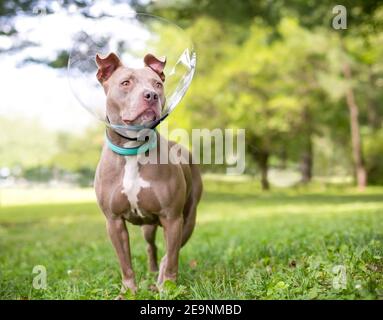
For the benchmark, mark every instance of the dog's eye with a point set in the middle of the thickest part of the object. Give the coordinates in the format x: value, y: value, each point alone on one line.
x: 126, y: 83
x: 158, y: 85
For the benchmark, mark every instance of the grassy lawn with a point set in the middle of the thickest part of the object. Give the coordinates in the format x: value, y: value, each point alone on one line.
x: 286, y: 244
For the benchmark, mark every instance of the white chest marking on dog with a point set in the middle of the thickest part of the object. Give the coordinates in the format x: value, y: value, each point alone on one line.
x: 133, y: 182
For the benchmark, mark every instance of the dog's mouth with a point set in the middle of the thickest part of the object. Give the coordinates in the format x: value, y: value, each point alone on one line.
x: 147, y: 116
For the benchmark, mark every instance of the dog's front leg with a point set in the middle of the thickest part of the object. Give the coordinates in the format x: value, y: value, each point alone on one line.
x: 119, y: 236
x: 173, y: 238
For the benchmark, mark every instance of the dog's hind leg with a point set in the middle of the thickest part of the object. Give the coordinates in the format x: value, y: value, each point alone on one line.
x: 190, y: 214
x: 190, y: 209
x: 149, y: 232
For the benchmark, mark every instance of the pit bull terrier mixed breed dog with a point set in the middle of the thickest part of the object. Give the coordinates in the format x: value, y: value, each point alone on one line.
x: 149, y: 195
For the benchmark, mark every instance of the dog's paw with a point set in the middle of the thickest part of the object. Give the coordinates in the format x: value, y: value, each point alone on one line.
x: 128, y: 286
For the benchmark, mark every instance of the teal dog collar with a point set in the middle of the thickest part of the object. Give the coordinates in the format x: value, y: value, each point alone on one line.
x: 122, y: 151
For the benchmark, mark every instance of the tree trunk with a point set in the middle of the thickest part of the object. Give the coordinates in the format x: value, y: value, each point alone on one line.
x: 307, y: 154
x: 263, y: 160
x: 360, y: 170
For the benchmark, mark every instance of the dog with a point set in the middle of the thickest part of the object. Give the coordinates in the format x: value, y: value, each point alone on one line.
x: 151, y: 194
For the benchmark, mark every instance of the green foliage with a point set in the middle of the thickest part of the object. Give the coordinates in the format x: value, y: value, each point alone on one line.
x: 61, y: 60
x: 311, y: 13
x: 284, y: 82
x: 247, y: 245
x: 263, y: 81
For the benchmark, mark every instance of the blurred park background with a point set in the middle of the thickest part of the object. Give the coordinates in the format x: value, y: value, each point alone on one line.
x: 310, y: 97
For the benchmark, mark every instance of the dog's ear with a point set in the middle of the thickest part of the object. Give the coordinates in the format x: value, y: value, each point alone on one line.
x: 106, y: 66
x: 156, y: 64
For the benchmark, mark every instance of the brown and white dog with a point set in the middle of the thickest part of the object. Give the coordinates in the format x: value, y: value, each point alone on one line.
x: 149, y: 195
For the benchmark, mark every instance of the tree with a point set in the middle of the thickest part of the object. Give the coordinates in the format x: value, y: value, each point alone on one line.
x: 362, y: 15
x: 247, y: 90
x: 357, y: 151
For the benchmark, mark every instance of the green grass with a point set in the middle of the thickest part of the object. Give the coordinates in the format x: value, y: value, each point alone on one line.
x: 247, y: 245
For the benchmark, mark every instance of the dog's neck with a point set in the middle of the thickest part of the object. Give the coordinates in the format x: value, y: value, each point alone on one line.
x: 119, y: 140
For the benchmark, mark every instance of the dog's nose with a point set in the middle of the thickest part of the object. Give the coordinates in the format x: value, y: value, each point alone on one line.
x: 150, y: 96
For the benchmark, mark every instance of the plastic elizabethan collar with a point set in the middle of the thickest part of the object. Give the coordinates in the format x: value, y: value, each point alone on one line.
x: 131, y: 38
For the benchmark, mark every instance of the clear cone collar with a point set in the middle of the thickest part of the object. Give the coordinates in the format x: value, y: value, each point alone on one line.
x: 131, y: 38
